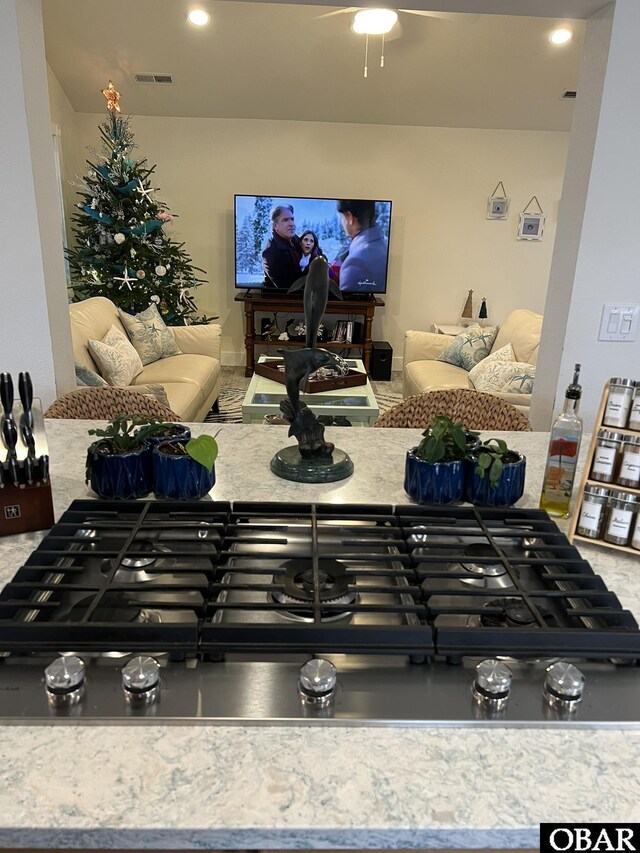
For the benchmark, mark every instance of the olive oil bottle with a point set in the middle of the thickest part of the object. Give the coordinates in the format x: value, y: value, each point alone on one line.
x: 562, y: 457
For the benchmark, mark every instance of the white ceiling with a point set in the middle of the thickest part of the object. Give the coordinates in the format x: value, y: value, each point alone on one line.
x: 259, y: 60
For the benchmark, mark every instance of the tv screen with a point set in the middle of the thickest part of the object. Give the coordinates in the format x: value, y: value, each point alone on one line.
x: 276, y: 238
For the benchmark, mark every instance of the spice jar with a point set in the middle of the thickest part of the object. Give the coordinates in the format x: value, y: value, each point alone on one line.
x: 629, y: 472
x: 592, y: 511
x: 622, y: 508
x: 619, y: 402
x: 634, y: 414
x: 635, y: 539
x: 605, y: 458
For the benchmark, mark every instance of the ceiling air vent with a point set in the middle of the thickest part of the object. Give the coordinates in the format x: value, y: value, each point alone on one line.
x: 570, y: 95
x: 153, y: 78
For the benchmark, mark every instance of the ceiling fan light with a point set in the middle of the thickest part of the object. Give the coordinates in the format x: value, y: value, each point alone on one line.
x: 561, y: 36
x: 374, y: 22
x: 198, y: 17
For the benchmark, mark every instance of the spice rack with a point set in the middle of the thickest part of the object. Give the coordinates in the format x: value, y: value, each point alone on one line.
x: 585, y: 481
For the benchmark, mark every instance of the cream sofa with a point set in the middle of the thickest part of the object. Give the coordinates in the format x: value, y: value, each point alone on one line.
x: 423, y: 373
x: 191, y: 380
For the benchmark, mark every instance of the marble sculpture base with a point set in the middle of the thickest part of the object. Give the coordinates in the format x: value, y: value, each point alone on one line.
x: 290, y: 465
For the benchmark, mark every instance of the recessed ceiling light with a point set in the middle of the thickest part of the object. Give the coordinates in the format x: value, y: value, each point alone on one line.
x: 198, y: 17
x: 374, y: 22
x: 561, y: 36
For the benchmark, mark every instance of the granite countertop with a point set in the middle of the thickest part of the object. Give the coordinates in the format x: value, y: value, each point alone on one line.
x: 197, y: 787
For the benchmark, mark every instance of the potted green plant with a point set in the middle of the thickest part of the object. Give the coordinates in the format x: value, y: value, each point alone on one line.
x: 184, y: 470
x: 435, y: 469
x: 496, y: 474
x: 117, y: 463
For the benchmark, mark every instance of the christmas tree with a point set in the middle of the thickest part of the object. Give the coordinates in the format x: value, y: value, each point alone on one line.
x: 121, y: 249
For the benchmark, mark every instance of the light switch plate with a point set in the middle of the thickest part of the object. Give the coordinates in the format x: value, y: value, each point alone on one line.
x: 619, y: 323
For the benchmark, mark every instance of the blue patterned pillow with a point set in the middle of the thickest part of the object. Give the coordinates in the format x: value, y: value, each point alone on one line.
x: 470, y: 346
x: 85, y: 376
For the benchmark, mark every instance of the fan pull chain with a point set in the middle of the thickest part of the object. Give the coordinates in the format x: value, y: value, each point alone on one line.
x: 366, y: 54
x: 382, y: 53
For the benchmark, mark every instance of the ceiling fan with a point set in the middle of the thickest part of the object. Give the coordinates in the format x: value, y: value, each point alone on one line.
x: 378, y: 21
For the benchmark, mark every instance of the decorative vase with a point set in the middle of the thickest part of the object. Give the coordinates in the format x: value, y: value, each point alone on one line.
x: 180, y: 477
x: 122, y: 476
x: 433, y: 482
x: 510, y: 486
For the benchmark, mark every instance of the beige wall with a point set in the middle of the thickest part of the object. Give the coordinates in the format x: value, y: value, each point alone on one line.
x: 73, y: 157
x: 438, y: 178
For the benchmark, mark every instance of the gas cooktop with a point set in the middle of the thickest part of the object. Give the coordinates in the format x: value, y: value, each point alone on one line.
x: 273, y: 612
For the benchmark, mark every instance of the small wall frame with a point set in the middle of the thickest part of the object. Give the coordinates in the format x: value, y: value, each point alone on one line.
x: 531, y: 226
x: 498, y: 203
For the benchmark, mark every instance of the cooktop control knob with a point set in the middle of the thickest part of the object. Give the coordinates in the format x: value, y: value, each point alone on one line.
x: 317, y: 681
x: 64, y: 679
x: 141, y: 678
x: 564, y: 683
x: 492, y: 682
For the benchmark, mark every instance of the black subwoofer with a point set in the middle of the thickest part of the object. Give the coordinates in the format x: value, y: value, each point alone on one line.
x: 380, y: 363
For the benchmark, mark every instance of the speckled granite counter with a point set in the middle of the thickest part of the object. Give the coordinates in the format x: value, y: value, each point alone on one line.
x: 197, y: 787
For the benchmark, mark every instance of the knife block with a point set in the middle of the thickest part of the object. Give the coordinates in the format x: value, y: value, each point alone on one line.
x: 25, y: 507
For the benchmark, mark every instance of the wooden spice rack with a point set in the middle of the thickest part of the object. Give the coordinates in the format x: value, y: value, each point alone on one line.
x: 585, y: 481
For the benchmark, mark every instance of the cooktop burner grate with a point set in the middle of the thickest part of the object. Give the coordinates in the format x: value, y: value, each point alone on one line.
x: 547, y: 599
x: 116, y: 576
x: 208, y: 578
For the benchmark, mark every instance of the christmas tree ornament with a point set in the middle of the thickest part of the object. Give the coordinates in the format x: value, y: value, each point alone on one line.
x: 160, y: 270
x: 133, y: 253
x: 113, y: 98
x: 119, y: 238
x: 155, y: 298
x: 125, y: 279
x: 482, y: 314
x: 140, y: 274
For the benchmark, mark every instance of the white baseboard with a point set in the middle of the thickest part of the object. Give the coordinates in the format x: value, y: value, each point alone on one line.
x: 233, y: 359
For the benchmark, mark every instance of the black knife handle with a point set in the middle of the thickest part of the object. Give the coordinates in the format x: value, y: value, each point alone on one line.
x: 25, y: 389
x: 43, y: 468
x: 6, y: 394
x: 14, y: 473
x: 27, y: 438
x: 10, y: 435
x: 28, y: 466
x: 1, y: 476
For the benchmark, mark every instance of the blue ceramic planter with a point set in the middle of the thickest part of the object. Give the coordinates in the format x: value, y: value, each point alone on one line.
x: 509, y: 489
x: 180, y: 477
x: 122, y: 476
x: 183, y: 435
x: 433, y: 482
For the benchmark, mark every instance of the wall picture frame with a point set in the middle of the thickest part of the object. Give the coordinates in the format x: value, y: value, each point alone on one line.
x: 531, y: 226
x: 497, y: 207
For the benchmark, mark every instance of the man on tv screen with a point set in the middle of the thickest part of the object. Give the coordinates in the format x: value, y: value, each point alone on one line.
x: 281, y: 257
x: 363, y: 266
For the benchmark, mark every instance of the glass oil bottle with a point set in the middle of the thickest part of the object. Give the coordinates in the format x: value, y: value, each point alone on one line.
x: 562, y: 457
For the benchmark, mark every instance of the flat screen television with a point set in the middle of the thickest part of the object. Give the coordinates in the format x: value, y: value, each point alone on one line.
x: 276, y: 237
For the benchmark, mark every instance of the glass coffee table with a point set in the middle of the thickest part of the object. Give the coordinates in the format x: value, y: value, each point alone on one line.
x: 357, y: 404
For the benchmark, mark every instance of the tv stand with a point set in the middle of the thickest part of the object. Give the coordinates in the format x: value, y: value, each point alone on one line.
x: 270, y: 303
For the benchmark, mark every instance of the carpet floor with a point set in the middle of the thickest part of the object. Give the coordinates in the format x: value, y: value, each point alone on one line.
x: 234, y: 386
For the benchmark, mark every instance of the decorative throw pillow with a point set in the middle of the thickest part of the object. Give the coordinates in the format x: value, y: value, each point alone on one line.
x: 522, y: 381
x: 515, y: 377
x: 152, y: 390
x: 85, y: 376
x: 482, y: 375
x: 117, y: 360
x: 470, y: 346
x: 149, y: 334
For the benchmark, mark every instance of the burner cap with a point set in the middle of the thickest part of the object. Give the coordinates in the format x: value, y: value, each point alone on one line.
x: 140, y: 561
x: 298, y: 587
x: 514, y: 613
